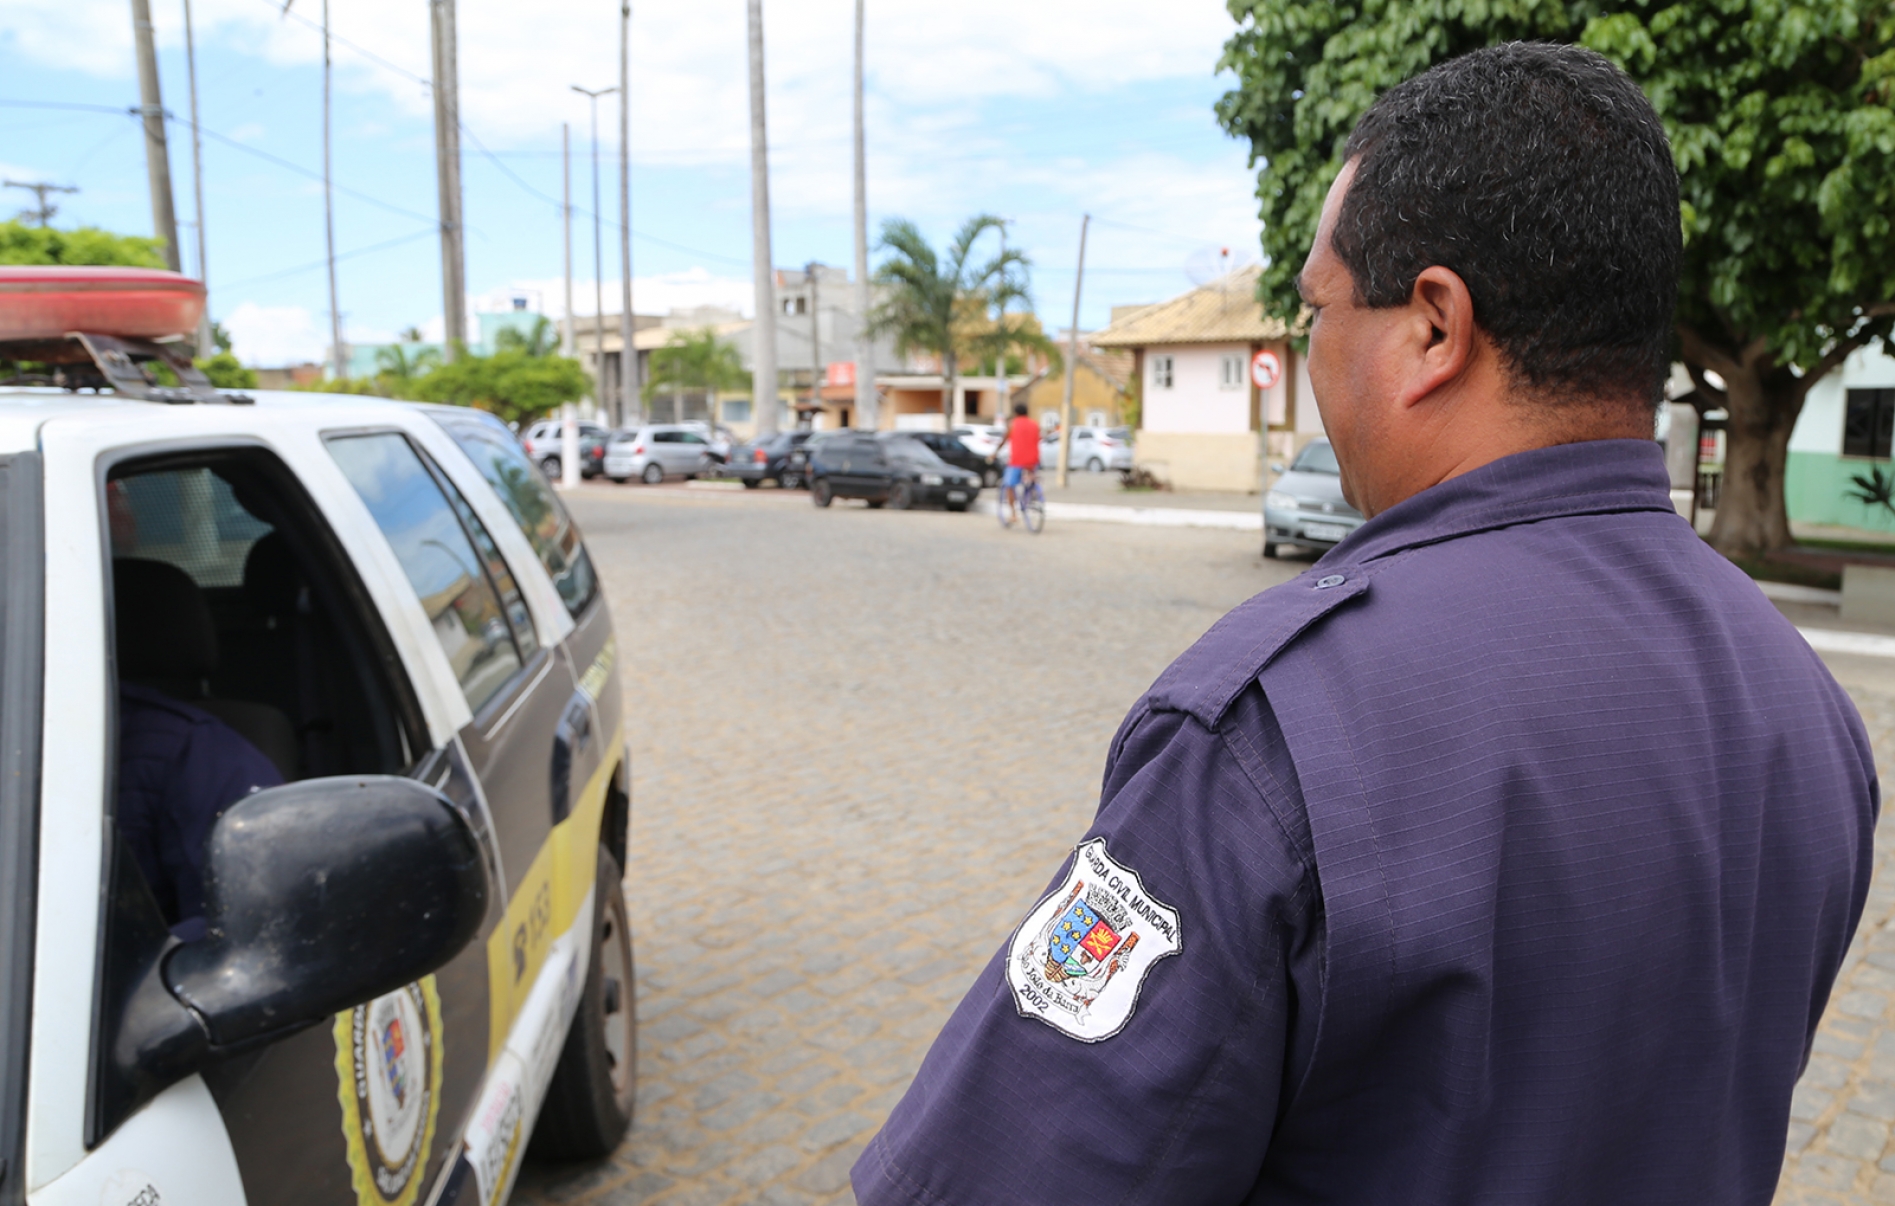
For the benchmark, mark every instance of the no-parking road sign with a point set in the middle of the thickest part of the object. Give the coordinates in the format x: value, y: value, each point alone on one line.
x: 1266, y: 367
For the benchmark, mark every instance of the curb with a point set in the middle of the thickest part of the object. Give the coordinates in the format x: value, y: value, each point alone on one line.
x: 1157, y: 517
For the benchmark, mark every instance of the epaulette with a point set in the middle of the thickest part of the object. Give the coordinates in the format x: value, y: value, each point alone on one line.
x: 1210, y: 675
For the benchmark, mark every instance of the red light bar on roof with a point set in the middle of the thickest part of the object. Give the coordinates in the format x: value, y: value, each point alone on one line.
x: 47, y: 302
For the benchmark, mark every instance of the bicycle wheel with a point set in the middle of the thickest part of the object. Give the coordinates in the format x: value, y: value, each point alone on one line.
x: 1001, y: 511
x: 1033, y: 508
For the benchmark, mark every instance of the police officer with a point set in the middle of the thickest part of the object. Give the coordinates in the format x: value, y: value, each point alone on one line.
x: 1507, y: 855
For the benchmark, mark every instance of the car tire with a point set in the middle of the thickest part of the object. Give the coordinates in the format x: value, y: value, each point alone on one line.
x: 876, y: 504
x: 821, y: 494
x: 957, y: 506
x: 618, y: 481
x: 751, y: 483
x: 550, y: 467
x: 594, y: 1088
x: 1095, y: 465
x: 1272, y: 550
x: 901, y: 498
x: 989, y: 478
x: 654, y: 473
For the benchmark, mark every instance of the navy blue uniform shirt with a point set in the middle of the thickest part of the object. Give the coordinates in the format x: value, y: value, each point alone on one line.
x: 1507, y: 855
x: 178, y: 769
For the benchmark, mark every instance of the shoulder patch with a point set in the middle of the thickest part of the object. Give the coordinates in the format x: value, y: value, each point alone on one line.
x: 1080, y: 957
x: 1209, y: 675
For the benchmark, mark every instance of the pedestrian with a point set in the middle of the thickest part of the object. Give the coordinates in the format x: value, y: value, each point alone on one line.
x: 1508, y: 854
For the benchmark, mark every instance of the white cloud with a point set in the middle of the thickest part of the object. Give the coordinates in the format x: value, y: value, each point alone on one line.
x: 275, y: 335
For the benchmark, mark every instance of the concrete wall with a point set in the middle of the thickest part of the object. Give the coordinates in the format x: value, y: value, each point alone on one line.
x: 1817, y: 478
x: 1203, y: 460
x: 1195, y: 402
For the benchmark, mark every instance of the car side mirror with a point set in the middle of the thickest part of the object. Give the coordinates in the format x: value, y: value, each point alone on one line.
x: 1276, y: 466
x: 318, y: 896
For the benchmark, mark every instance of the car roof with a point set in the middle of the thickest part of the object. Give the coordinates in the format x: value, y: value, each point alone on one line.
x: 23, y: 409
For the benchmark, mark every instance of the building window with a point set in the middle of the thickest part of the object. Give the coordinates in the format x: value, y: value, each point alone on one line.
x: 1230, y: 371
x: 1161, y: 372
x: 736, y: 411
x: 1868, y: 422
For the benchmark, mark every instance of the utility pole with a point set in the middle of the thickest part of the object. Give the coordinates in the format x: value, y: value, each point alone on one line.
x: 1000, y: 369
x: 164, y: 219
x: 815, y: 341
x: 568, y: 338
x: 44, y: 211
x: 628, y: 355
x: 763, y: 331
x: 1072, y: 361
x: 206, y: 345
x: 866, y: 400
x: 598, y: 255
x: 447, y: 170
x: 337, y: 355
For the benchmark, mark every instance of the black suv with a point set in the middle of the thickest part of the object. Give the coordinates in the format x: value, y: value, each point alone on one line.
x: 892, y: 470
x: 769, y: 460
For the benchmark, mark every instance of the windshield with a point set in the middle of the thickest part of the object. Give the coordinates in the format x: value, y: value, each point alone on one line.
x: 913, y: 451
x: 1319, y: 457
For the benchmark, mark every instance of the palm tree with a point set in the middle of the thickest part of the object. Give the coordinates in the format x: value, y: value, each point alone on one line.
x: 397, y: 368
x: 939, y: 304
x: 696, y: 360
x: 541, y: 340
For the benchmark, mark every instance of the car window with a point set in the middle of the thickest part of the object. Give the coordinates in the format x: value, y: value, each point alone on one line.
x: 532, y: 503
x: 437, y: 555
x: 187, y: 517
x: 691, y: 437
x: 1319, y: 457
x: 913, y: 451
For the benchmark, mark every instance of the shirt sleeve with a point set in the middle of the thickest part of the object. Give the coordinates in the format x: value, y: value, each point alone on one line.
x: 1177, y: 1104
x: 215, y: 769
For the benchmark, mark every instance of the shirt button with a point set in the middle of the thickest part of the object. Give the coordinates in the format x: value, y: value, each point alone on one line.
x: 1331, y: 580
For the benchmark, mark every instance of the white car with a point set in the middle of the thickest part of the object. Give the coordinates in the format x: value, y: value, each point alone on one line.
x: 544, y: 442
x: 660, y: 450
x: 1094, y: 449
x: 982, y: 439
x: 313, y: 794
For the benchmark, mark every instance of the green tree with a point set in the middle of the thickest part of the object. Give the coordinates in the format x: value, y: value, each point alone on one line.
x: 695, y: 360
x: 23, y: 244
x: 511, y: 384
x: 1782, y: 122
x: 227, y: 372
x: 948, y: 306
x: 399, y: 366
x: 541, y: 340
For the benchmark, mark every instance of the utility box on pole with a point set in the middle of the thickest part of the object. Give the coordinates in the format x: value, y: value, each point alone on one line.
x: 447, y: 163
x: 164, y: 218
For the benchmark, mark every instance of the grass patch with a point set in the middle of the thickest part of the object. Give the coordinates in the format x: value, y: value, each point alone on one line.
x: 1783, y: 571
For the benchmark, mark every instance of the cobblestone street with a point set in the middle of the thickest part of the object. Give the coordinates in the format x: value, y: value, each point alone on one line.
x: 821, y: 761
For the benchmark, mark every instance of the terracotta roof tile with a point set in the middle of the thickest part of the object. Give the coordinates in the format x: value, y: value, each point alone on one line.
x: 1224, y: 311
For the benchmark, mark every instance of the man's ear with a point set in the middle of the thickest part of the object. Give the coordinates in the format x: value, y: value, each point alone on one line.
x: 1441, y: 300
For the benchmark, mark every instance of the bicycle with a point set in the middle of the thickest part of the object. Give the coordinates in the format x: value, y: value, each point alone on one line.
x: 1028, y: 499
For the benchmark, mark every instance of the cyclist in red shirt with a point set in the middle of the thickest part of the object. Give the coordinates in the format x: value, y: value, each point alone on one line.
x: 1023, y: 455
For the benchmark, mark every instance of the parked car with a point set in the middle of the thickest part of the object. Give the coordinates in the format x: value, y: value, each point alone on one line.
x: 984, y: 439
x: 405, y: 950
x: 660, y: 450
x: 1306, y: 507
x: 544, y: 442
x: 767, y: 460
x: 721, y: 438
x: 955, y: 452
x: 1097, y: 449
x: 796, y: 468
x: 896, y: 471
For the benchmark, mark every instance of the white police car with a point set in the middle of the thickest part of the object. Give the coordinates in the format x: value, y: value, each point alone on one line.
x: 400, y: 953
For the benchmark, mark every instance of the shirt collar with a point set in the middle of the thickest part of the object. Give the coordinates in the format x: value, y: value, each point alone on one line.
x: 1588, y: 478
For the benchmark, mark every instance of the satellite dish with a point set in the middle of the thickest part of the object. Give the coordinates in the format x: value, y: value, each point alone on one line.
x: 1207, y: 265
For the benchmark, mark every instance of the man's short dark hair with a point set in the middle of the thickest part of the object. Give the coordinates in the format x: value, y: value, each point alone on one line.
x: 1541, y: 175
x: 1019, y: 408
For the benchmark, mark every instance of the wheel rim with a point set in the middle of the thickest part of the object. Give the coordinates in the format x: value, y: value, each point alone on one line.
x: 615, y: 982
x: 653, y: 475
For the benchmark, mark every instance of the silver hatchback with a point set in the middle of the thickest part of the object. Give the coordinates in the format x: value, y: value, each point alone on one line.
x: 1306, y: 507
x: 660, y: 450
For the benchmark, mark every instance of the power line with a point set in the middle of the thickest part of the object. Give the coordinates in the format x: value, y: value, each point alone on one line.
x: 311, y: 267
x: 430, y: 219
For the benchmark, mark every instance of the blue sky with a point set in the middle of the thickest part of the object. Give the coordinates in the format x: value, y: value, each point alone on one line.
x: 1037, y: 113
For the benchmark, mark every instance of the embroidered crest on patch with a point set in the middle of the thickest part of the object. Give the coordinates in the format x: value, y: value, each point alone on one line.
x: 1081, y: 956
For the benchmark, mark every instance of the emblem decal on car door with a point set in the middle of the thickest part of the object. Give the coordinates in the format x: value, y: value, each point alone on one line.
x: 388, y: 1068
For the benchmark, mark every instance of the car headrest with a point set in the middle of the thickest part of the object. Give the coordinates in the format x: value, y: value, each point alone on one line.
x: 164, y: 625
x: 270, y: 580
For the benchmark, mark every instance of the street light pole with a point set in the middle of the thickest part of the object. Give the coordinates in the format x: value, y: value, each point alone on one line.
x: 206, y: 346
x: 1072, y: 361
x: 598, y: 254
x: 328, y: 215
x: 628, y: 355
x: 866, y: 400
x: 447, y: 166
x: 568, y: 337
x: 815, y: 343
x: 763, y: 331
